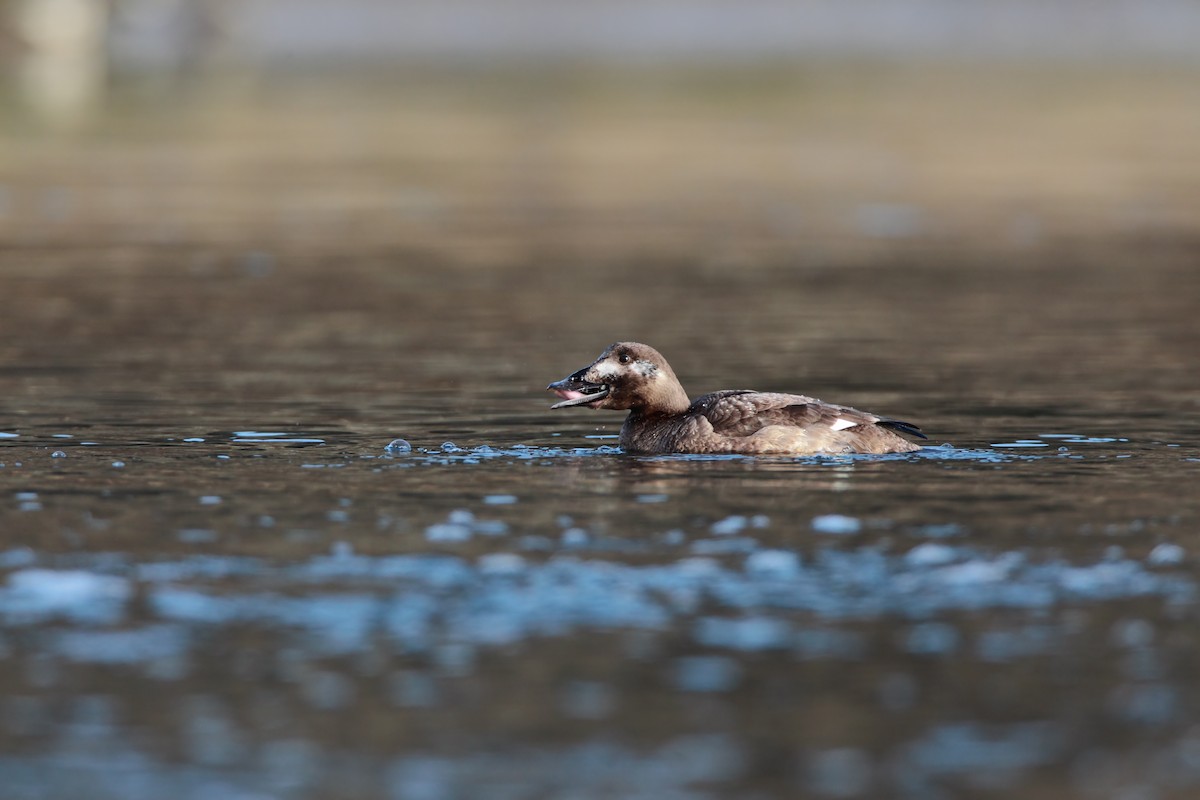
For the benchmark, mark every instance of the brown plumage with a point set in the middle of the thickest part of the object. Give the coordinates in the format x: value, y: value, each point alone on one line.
x: 634, y: 376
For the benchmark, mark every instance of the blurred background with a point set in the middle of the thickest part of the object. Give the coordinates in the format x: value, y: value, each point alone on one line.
x: 496, y: 131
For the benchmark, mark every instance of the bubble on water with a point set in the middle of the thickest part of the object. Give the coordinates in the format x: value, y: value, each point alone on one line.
x: 773, y: 564
x: 118, y: 464
x: 840, y: 772
x: 450, y: 447
x: 499, y: 499
x: 748, y: 633
x: 501, y: 564
x: 84, y: 596
x: 133, y: 646
x: 210, y: 734
x: 826, y: 643
x: 58, y: 454
x: 397, y: 447
x: 939, y: 531
x: 836, y: 524
x: 730, y: 545
x: 1166, y: 554
x: 326, y: 690
x: 1132, y: 633
x: 412, y: 689
x: 931, y: 555
x: 575, y: 537
x: 897, y: 691
x: 995, y: 752
x: 490, y: 527
x: 707, y: 673
x: 424, y: 778
x: 888, y: 220
x: 587, y: 700
x: 1009, y: 645
x: 17, y: 557
x: 448, y: 532
x: 729, y: 525
x: 210, y: 500
x: 673, y: 537
x: 197, y: 535
x: 258, y: 263
x: 932, y: 638
x: 1145, y: 703
x: 455, y: 658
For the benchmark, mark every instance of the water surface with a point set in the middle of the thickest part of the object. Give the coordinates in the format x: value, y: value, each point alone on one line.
x: 218, y: 580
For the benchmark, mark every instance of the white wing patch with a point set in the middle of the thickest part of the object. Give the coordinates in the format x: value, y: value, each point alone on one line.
x: 840, y: 424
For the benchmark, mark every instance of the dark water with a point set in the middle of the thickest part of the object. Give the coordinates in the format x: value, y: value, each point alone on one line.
x: 216, y: 580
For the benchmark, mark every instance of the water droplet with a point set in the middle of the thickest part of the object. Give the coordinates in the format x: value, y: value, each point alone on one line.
x: 58, y: 454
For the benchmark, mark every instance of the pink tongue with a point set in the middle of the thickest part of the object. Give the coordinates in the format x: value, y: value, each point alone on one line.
x: 568, y: 394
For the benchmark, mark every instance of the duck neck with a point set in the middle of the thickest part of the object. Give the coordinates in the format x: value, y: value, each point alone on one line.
x: 670, y: 399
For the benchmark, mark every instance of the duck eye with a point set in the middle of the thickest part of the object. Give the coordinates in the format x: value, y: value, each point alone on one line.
x: 624, y: 358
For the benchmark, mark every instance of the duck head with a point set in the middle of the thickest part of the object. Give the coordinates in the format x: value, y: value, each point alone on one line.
x: 627, y: 375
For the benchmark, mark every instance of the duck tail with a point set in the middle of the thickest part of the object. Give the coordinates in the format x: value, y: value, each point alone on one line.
x: 902, y: 427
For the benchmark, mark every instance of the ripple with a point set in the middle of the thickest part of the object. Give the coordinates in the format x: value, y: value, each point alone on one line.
x: 422, y: 601
x: 272, y: 437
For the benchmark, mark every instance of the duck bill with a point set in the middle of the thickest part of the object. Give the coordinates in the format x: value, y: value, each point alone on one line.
x: 575, y: 390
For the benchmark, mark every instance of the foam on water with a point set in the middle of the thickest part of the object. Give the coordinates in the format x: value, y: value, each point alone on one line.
x: 450, y: 453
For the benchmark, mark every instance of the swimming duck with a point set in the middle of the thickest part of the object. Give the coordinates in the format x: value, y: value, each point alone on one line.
x: 634, y: 376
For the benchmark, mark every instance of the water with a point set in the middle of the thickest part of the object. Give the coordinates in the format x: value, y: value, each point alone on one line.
x: 314, y: 531
x: 511, y: 607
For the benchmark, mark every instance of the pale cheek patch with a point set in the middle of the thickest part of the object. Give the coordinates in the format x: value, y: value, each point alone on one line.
x: 646, y: 368
x: 605, y: 371
x: 840, y: 424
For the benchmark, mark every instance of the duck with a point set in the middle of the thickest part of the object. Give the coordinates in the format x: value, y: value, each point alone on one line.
x: 663, y: 420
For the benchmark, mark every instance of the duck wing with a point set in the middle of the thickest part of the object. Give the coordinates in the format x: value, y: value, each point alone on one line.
x: 744, y: 412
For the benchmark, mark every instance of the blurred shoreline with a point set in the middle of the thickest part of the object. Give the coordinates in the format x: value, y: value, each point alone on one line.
x: 728, y: 165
